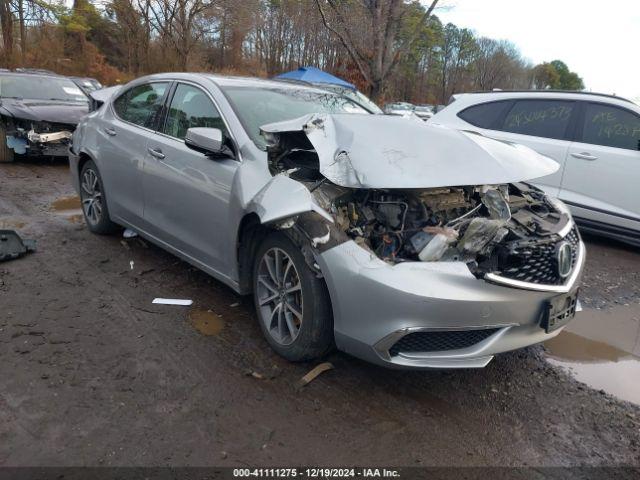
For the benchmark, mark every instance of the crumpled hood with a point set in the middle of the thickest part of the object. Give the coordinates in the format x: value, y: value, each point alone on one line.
x: 44, y: 110
x: 383, y: 151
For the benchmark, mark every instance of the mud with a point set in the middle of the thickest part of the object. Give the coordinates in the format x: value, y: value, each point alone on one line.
x: 92, y: 373
x: 206, y: 322
x: 71, y: 202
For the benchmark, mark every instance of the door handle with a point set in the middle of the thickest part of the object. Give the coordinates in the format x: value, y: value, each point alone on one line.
x: 110, y: 131
x: 155, y: 152
x: 584, y: 156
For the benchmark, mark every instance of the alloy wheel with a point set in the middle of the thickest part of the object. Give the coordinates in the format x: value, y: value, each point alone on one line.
x: 91, y: 196
x: 279, y: 296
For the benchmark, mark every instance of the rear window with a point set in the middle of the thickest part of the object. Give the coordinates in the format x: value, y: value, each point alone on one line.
x: 539, y: 118
x: 485, y: 115
x: 141, y: 104
x: 611, y: 127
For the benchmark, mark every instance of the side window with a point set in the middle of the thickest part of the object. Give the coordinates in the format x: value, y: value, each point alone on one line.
x: 540, y: 118
x: 141, y: 104
x: 485, y: 115
x: 611, y: 126
x: 191, y: 107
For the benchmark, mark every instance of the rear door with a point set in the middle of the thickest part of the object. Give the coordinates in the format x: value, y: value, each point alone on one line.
x: 602, y: 173
x: 543, y: 125
x: 187, y: 193
x: 123, y: 132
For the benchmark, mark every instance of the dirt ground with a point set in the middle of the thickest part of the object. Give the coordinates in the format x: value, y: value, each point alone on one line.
x: 92, y: 373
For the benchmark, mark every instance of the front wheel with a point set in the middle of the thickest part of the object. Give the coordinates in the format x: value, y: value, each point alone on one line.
x: 94, y: 203
x: 292, y: 303
x: 6, y: 153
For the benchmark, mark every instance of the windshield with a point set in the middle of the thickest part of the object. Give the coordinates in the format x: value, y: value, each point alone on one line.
x: 259, y: 106
x: 401, y: 106
x: 35, y: 87
x: 363, y: 100
x: 355, y: 95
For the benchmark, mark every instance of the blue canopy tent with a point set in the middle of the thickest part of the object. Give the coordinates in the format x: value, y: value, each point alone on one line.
x: 315, y: 75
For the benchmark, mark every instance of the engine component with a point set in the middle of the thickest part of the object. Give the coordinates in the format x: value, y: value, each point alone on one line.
x: 497, y: 205
x: 441, y: 224
x: 480, y: 232
x: 439, y: 244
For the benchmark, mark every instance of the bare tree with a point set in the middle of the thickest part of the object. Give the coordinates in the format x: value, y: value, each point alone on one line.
x: 6, y: 24
x: 179, y: 23
x: 369, y: 31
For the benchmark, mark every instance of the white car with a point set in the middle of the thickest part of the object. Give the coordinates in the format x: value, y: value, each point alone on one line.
x: 595, y: 138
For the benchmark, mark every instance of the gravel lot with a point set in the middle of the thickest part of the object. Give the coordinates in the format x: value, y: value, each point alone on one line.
x: 92, y: 373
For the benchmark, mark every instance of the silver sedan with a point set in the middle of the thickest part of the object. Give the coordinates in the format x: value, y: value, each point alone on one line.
x: 402, y: 243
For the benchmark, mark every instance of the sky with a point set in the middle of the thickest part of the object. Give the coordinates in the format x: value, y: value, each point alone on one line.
x: 597, y: 40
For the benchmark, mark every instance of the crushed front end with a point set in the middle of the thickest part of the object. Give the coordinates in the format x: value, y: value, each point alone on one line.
x: 38, y: 138
x: 436, y: 277
x: 448, y: 277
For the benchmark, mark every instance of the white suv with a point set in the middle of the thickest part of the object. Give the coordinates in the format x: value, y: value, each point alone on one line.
x: 595, y: 139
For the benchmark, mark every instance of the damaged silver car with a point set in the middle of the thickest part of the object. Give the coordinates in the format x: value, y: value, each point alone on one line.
x: 38, y: 114
x: 404, y: 244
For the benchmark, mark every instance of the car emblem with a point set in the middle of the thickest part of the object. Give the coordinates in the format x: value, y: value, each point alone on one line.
x: 564, y: 259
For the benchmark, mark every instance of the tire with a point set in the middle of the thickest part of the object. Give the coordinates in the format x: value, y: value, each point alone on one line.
x: 301, y: 328
x: 6, y: 153
x: 94, y: 204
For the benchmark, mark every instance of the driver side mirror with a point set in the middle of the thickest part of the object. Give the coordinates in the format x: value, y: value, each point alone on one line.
x: 205, y: 140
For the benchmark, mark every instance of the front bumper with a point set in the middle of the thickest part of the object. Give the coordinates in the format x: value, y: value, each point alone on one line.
x: 53, y: 144
x: 376, y: 304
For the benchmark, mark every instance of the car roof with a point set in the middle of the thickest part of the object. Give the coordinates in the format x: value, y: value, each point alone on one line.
x: 30, y: 74
x: 477, y: 97
x: 227, y: 81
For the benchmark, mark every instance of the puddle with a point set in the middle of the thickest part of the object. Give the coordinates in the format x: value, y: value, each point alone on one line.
x: 69, y: 208
x: 75, y: 218
x: 206, y: 322
x: 602, y: 349
x: 8, y: 224
x: 66, y: 203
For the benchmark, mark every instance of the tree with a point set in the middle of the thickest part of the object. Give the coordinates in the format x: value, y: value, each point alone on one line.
x: 369, y: 31
x: 556, y: 75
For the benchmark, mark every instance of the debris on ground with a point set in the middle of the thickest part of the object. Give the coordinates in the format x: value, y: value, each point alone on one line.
x: 233, y: 305
x: 13, y: 246
x: 172, y: 301
x: 309, y: 377
x: 254, y: 374
x: 128, y: 233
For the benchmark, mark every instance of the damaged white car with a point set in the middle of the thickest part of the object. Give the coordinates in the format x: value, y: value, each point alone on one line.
x: 38, y: 114
x: 404, y: 244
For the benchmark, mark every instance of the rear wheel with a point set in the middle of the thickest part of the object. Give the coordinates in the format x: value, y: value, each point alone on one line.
x: 94, y: 204
x: 292, y: 303
x: 6, y: 153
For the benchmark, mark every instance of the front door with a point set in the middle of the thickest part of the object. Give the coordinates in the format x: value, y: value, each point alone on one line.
x: 187, y: 193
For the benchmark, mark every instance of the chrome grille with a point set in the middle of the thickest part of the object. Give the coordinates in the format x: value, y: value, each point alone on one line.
x: 538, y: 263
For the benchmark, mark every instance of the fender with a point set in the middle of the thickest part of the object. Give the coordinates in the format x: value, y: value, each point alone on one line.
x: 283, y: 198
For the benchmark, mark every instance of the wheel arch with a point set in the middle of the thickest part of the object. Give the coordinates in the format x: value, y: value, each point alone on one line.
x: 250, y: 234
x: 310, y: 231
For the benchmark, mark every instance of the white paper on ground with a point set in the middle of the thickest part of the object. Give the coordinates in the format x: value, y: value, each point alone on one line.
x: 172, y: 301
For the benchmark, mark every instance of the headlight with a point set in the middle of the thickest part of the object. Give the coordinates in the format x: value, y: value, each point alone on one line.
x: 559, y: 205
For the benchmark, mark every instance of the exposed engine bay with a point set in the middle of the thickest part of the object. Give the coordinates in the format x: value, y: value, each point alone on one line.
x: 40, y: 138
x: 512, y: 229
